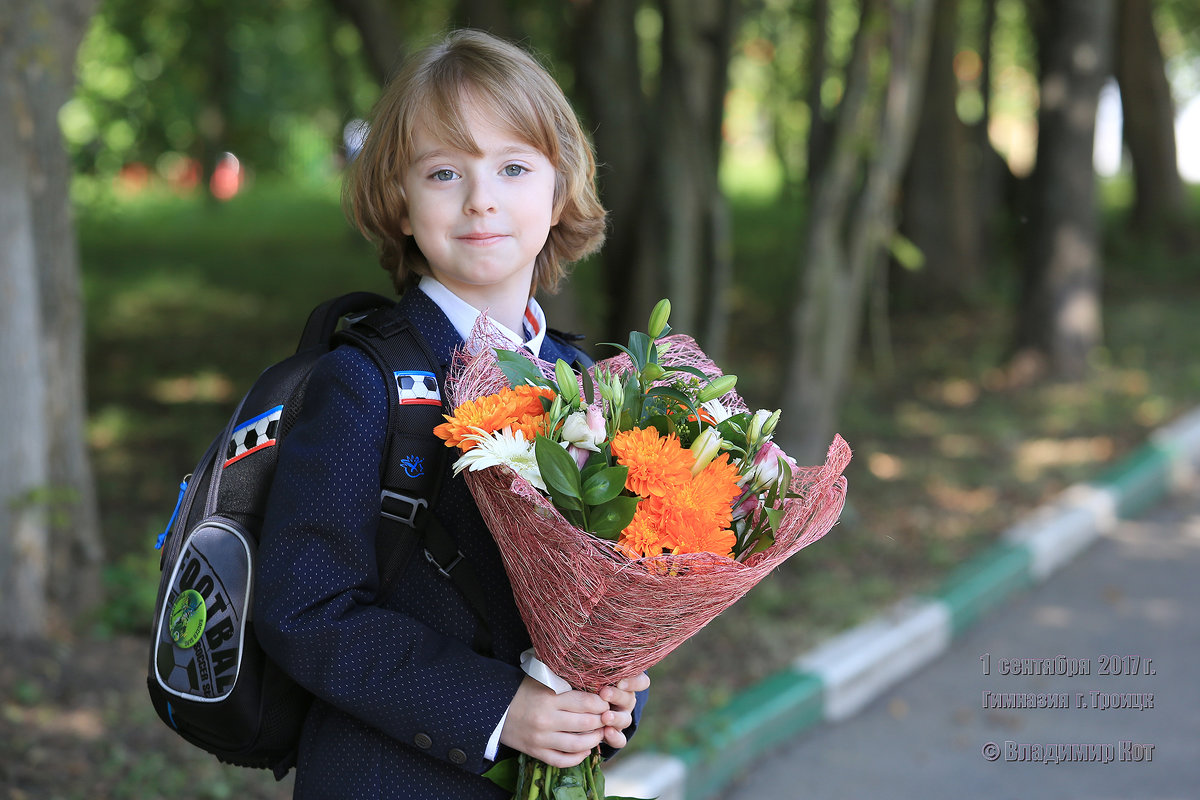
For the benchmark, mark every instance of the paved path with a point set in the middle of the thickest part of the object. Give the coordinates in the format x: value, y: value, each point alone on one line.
x: 1135, y: 592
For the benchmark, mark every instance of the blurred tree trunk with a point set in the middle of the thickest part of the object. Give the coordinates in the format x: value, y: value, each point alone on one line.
x: 209, y: 45
x: 608, y: 83
x: 1059, y: 314
x: 47, y: 497
x: 996, y: 184
x: 852, y: 214
x: 658, y: 141
x: 1149, y: 125
x: 379, y: 25
x: 939, y: 214
x: 816, y: 64
x: 696, y: 237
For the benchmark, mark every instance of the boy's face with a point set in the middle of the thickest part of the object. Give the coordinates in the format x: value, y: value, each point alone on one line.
x: 480, y: 220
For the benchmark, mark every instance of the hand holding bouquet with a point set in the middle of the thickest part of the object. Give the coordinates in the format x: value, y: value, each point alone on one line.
x: 631, y: 503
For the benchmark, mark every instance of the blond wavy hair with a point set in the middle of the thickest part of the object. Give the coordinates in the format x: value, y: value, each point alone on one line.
x: 434, y: 89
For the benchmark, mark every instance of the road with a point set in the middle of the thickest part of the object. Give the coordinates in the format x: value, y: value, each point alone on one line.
x: 1129, y: 604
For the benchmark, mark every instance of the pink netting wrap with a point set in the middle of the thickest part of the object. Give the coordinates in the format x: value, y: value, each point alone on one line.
x: 595, y: 616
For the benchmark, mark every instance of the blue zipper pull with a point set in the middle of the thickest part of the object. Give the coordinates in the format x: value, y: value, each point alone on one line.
x: 162, y: 537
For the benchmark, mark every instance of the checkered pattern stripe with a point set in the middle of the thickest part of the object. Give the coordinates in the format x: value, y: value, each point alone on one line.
x: 418, y: 388
x: 253, y: 435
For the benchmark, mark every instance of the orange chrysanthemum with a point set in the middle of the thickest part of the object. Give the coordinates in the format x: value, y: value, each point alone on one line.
x: 646, y: 535
x: 693, y: 518
x: 519, y: 408
x: 715, y: 488
x: 657, y: 464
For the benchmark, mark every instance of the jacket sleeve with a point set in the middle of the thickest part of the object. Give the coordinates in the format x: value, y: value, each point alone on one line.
x: 315, y: 611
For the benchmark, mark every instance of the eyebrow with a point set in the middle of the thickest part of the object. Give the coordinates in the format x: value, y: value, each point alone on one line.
x: 447, y: 152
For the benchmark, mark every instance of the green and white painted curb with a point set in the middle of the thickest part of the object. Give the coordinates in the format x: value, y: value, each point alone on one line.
x: 840, y: 677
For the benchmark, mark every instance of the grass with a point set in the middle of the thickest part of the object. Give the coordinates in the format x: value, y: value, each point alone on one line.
x: 187, y: 302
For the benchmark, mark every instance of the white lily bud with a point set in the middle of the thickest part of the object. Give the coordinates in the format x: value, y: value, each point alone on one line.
x: 757, y: 424
x: 705, y: 448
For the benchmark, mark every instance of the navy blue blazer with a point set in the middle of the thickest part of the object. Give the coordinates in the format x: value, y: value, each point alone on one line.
x: 404, y: 707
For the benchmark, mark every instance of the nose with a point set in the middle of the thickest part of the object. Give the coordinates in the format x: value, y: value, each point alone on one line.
x: 480, y: 198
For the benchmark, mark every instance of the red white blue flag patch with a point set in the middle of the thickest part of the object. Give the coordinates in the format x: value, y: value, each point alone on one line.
x: 253, y: 435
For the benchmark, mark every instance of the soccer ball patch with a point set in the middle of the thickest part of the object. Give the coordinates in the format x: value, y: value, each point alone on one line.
x: 253, y: 435
x: 418, y: 388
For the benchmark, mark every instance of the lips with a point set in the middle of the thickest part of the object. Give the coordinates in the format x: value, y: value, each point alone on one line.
x: 481, y: 237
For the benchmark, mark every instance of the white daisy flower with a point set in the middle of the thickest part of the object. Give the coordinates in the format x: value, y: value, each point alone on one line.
x: 505, y: 448
x: 718, y: 410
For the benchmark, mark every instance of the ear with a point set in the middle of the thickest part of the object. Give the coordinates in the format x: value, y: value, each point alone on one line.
x: 559, y: 204
x: 405, y: 221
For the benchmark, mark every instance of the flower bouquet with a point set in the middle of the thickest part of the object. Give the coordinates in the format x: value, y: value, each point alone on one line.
x: 631, y: 503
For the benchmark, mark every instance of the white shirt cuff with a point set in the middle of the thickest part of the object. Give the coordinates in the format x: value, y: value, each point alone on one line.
x: 493, y: 745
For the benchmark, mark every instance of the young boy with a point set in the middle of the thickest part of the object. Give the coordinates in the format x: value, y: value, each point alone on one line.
x: 477, y: 184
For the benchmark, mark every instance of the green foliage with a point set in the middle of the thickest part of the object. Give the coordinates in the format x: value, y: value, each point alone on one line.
x: 186, y: 303
x: 130, y: 588
x: 272, y: 82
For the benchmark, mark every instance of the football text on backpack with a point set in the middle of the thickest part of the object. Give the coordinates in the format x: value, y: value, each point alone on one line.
x: 208, y: 677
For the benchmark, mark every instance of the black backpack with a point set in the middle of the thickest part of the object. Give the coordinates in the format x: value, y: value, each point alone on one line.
x: 208, y: 677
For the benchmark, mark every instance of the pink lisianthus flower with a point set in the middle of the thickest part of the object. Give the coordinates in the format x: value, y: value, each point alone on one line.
x: 583, y: 432
x: 766, y: 470
x: 747, y: 506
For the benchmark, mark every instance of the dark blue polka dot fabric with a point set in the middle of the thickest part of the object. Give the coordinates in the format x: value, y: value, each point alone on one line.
x: 404, y: 706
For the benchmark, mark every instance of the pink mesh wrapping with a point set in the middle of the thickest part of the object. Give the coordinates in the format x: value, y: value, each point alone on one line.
x: 595, y: 616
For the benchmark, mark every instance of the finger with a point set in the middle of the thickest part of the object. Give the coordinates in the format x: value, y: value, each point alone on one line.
x: 573, y: 722
x: 618, y: 699
x: 638, y: 683
x: 614, y: 738
x: 624, y: 694
x: 582, y: 702
x: 556, y: 758
x: 569, y: 745
x: 617, y: 720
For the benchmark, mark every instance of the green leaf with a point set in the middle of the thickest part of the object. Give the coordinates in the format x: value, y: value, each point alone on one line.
x: 565, y: 504
x: 559, y: 470
x: 661, y: 423
x: 604, y: 485
x: 504, y: 774
x: 519, y: 369
x: 609, y: 519
x: 766, y: 540
x: 623, y: 349
x: 733, y: 430
x: 639, y: 350
x: 589, y: 388
x: 693, y: 371
x: 595, y: 462
x: 674, y: 394
x: 906, y: 253
x: 775, y: 517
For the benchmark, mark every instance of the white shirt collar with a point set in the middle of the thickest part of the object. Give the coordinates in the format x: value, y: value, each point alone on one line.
x: 463, y: 315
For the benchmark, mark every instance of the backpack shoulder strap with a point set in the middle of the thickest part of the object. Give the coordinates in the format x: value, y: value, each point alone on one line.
x: 582, y: 359
x: 414, y: 460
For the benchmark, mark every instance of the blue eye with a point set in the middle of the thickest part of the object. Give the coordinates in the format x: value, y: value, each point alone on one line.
x: 443, y: 175
x: 514, y: 170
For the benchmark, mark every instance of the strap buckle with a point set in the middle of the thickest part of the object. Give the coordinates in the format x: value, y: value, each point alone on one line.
x: 406, y: 516
x: 445, y: 571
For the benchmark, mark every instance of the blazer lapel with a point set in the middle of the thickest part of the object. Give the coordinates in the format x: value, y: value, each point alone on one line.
x: 433, y: 324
